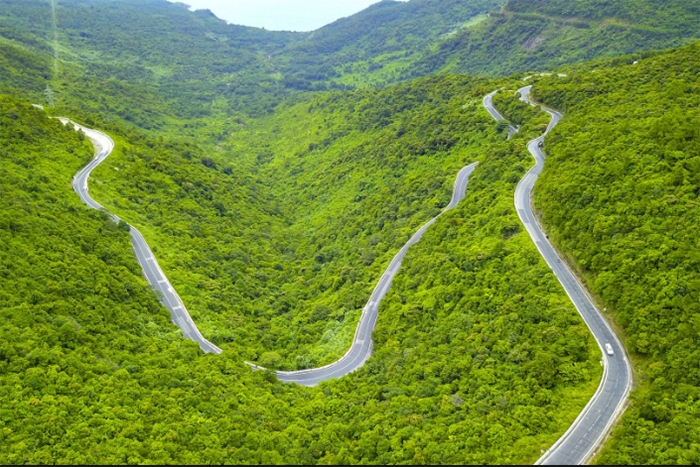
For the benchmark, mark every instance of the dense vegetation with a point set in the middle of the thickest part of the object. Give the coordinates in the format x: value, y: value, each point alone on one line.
x: 274, y: 210
x: 186, y: 58
x: 190, y: 66
x: 195, y: 62
x: 619, y: 195
x: 93, y: 372
x: 340, y: 191
x: 377, y: 44
x: 517, y: 112
x: 537, y: 35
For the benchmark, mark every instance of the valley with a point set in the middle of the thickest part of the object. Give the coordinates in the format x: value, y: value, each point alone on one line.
x: 267, y: 181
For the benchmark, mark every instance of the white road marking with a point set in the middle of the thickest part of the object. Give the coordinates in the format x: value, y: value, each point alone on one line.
x: 598, y: 326
x: 104, y: 147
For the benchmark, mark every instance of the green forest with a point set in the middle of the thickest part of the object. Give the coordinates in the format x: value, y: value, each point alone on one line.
x: 93, y: 371
x: 619, y: 195
x: 276, y: 174
x: 166, y: 62
x: 340, y: 192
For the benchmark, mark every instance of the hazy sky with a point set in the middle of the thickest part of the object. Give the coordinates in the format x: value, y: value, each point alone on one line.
x: 287, y: 15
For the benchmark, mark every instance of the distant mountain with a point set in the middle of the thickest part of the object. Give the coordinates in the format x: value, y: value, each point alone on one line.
x: 139, y: 39
x: 535, y: 35
x: 177, y: 54
x: 393, y: 41
x: 191, y: 60
x: 371, y: 46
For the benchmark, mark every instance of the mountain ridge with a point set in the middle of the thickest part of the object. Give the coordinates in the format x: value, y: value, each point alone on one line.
x: 274, y: 195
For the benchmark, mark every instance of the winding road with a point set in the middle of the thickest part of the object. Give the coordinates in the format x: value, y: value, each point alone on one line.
x: 584, y: 437
x: 362, y: 344
x: 151, y: 269
x: 488, y: 103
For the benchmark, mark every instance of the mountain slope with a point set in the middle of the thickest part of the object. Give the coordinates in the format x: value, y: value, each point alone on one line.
x: 336, y: 193
x: 274, y: 210
x: 93, y: 371
x: 541, y: 35
x: 198, y: 67
x: 620, y: 195
x: 373, y: 46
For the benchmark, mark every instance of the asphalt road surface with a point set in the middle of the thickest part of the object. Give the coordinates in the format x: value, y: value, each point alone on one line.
x: 488, y: 103
x: 585, y: 435
x: 576, y: 446
x: 362, y: 344
x: 151, y: 270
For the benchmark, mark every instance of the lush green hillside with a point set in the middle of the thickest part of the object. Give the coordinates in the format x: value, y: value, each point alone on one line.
x: 164, y: 69
x: 377, y: 44
x: 24, y: 72
x: 619, y: 195
x: 196, y: 63
x: 311, y: 212
x: 537, y: 35
x: 274, y: 210
x: 190, y: 65
x: 92, y: 371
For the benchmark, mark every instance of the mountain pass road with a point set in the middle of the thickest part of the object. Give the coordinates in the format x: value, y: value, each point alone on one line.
x: 362, y: 344
x: 152, y: 271
x: 488, y: 103
x: 361, y: 348
x: 576, y: 446
x: 584, y: 437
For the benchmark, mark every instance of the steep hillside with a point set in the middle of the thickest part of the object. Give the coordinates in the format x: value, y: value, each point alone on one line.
x: 186, y: 58
x: 275, y: 195
x: 195, y: 62
x: 346, y: 179
x: 198, y: 67
x: 375, y: 45
x: 529, y: 35
x: 620, y: 196
x: 92, y: 371
x: 24, y: 72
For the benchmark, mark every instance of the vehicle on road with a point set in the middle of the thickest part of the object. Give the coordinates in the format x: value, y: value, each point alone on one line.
x: 609, y: 349
x: 583, y: 438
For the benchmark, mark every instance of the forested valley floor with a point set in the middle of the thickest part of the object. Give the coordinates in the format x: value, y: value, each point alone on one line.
x: 482, y: 357
x: 275, y: 190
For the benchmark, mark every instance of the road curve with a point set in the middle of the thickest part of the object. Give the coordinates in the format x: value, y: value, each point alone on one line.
x: 488, y: 103
x: 586, y: 434
x: 361, y: 348
x: 576, y: 446
x: 151, y: 270
x: 362, y: 344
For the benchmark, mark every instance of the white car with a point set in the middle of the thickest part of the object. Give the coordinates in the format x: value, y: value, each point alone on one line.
x: 609, y: 349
